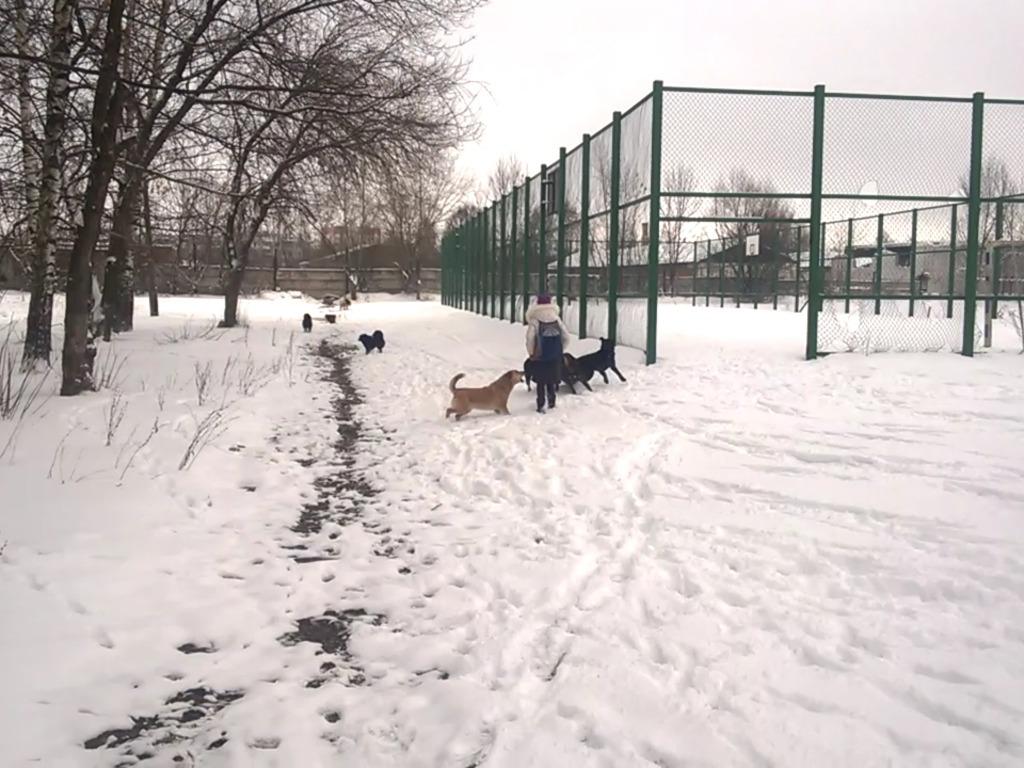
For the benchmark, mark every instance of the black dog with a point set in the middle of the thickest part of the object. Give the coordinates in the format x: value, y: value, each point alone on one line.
x: 371, y: 343
x: 598, y: 362
x: 307, y: 323
x: 569, y: 372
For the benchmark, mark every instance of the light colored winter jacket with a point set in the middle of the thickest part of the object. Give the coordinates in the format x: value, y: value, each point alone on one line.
x: 543, y: 313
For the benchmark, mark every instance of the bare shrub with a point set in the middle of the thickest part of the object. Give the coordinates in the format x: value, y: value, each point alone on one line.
x: 202, y: 377
x: 19, y: 389
x: 208, y: 429
x: 229, y: 366
x: 115, y: 414
x: 109, y: 368
x: 58, y: 455
x: 206, y: 330
x: 252, y: 377
x: 131, y: 459
x: 1016, y: 317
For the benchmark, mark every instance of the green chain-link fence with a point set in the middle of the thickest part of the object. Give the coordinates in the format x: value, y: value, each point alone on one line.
x: 892, y: 222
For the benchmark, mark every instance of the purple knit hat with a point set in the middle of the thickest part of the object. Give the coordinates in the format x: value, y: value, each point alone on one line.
x: 543, y: 298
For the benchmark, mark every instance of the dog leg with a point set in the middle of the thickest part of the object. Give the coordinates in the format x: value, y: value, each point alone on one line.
x: 604, y: 376
x: 587, y: 385
x: 621, y: 377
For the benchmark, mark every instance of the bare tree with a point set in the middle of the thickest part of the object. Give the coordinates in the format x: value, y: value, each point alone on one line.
x: 997, y: 181
x: 755, y: 215
x: 342, y: 206
x: 679, y: 180
x: 417, y: 202
x: 206, y: 38
x: 47, y: 175
x: 108, y: 100
x: 322, y: 110
x: 508, y: 172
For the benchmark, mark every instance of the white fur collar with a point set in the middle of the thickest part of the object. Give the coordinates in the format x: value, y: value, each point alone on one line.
x: 542, y: 313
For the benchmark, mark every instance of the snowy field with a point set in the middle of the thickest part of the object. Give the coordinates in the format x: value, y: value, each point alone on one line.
x: 735, y: 558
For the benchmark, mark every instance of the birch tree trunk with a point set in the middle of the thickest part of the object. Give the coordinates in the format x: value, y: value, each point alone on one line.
x: 38, y: 343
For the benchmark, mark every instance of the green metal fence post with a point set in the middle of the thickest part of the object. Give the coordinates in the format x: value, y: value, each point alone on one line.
x: 879, y: 246
x: 613, y: 231
x: 654, y: 224
x: 997, y: 257
x: 738, y: 282
x: 707, y: 273
x: 464, y: 265
x: 814, y: 287
x: 526, y: 248
x: 456, y: 272
x: 821, y: 262
x: 913, y: 259
x: 503, y: 244
x: 485, y: 254
x: 799, y: 258
x: 470, y: 247
x: 973, y: 225
x: 513, y: 253
x: 542, y: 234
x: 481, y: 253
x: 721, y: 277
x: 494, y: 259
x: 560, y: 235
x: 849, y: 263
x: 954, y: 236
x: 775, y: 279
x: 474, y: 262
x: 584, y: 235
x: 996, y: 273
x: 696, y: 259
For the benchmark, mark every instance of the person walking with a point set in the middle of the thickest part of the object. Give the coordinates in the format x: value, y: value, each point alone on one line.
x: 546, y: 340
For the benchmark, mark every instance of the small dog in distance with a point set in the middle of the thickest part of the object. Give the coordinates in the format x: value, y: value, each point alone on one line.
x: 370, y: 343
x: 493, y: 397
x: 307, y: 323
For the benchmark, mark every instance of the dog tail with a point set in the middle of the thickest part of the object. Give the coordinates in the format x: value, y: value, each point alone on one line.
x: 454, y: 381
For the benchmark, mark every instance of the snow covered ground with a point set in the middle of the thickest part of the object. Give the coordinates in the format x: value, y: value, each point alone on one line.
x: 735, y: 558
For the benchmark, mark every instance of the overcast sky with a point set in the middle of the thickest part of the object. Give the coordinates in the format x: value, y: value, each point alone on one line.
x: 549, y: 70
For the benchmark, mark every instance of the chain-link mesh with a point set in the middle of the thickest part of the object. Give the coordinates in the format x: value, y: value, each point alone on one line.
x: 912, y: 148
x: 894, y: 282
x: 729, y: 141
x: 635, y: 153
x: 533, y: 233
x: 572, y: 205
x: 1003, y: 167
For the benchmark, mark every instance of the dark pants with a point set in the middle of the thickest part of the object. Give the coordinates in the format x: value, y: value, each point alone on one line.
x: 546, y: 377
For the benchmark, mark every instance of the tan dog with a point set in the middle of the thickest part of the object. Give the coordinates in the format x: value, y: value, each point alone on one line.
x: 493, y: 397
